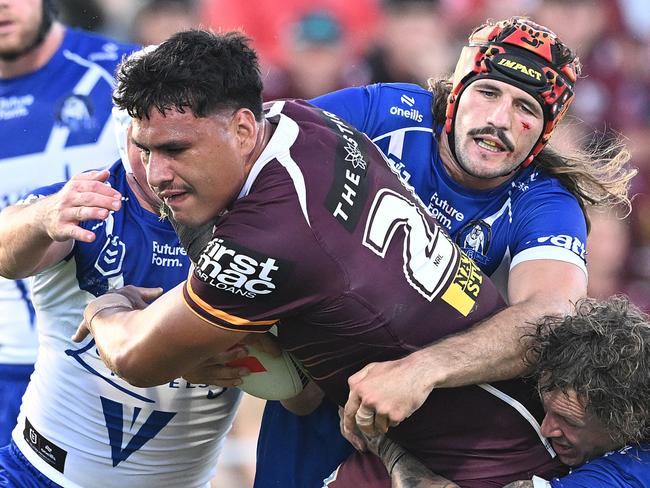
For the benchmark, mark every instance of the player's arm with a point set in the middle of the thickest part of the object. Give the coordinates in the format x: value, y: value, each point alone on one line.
x: 405, y: 470
x: 306, y: 401
x: 149, y: 345
x: 492, y: 350
x: 36, y: 235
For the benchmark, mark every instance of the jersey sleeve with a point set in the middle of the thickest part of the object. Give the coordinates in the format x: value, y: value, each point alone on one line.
x: 551, y: 226
x: 250, y: 275
x: 591, y: 476
x: 351, y: 104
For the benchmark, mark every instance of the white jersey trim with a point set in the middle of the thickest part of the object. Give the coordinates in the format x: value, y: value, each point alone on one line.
x: 278, y: 148
x: 524, y: 413
x: 553, y: 253
x: 540, y: 483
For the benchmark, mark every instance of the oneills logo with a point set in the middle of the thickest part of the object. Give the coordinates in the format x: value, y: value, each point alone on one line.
x: 516, y: 66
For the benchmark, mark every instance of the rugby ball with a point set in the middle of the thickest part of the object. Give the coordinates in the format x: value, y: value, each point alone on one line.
x: 272, y: 377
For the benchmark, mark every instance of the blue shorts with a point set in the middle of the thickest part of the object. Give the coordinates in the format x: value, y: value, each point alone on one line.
x: 13, y: 381
x: 299, y: 452
x: 17, y: 472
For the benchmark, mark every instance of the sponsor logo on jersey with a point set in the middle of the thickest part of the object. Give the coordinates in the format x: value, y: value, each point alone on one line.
x: 443, y: 211
x: 465, y: 287
x: 348, y: 193
x: 409, y: 113
x: 168, y: 256
x: 235, y: 269
x: 410, y: 101
x: 14, y: 107
x: 76, y: 112
x: 109, y: 261
x: 567, y: 242
x: 474, y: 239
x: 44, y: 448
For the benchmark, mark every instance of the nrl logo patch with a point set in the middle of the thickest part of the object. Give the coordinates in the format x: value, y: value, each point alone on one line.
x: 519, y: 68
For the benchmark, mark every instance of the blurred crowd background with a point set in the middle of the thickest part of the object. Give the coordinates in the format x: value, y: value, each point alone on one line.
x: 309, y: 47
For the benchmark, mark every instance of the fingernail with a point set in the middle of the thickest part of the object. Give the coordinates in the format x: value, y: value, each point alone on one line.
x: 116, y: 204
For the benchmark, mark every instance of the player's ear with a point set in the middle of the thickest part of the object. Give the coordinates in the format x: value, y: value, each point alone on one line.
x: 246, y: 129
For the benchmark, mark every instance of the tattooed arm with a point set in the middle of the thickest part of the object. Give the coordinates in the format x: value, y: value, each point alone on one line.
x: 406, y: 471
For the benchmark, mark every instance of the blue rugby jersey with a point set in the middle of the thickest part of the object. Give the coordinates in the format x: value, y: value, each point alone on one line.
x: 626, y: 468
x: 54, y: 122
x: 79, y: 422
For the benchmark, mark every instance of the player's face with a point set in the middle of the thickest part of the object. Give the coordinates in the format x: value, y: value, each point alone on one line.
x: 496, y: 127
x: 196, y: 166
x: 576, y: 435
x: 20, y: 27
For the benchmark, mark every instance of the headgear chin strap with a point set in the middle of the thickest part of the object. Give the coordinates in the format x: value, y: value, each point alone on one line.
x: 526, y: 55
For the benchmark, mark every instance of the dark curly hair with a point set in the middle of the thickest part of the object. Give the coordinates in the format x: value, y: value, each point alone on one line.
x: 193, y: 70
x: 602, y: 352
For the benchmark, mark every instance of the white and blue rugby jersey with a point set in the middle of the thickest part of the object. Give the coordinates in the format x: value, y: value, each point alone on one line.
x: 79, y: 424
x: 628, y: 467
x: 532, y: 216
x: 54, y: 122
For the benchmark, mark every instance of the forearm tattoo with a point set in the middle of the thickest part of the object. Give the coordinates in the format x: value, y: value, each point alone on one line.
x: 520, y: 484
x: 409, y: 472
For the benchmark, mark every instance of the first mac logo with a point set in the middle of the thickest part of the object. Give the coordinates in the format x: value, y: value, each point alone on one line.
x: 235, y: 269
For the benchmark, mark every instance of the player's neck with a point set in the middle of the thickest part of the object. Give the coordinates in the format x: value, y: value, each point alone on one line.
x: 266, y: 130
x: 35, y: 58
x: 144, y: 196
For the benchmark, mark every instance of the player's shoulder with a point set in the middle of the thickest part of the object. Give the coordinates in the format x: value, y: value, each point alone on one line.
x: 398, y: 89
x: 117, y: 177
x: 627, y: 466
x: 96, y: 48
x: 398, y: 106
x: 404, y: 95
x: 538, y: 186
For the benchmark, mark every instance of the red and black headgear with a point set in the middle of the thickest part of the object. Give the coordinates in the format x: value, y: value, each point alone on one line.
x: 526, y: 55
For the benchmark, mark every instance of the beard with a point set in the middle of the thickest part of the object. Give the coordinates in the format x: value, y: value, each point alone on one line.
x: 34, y: 39
x: 475, y: 170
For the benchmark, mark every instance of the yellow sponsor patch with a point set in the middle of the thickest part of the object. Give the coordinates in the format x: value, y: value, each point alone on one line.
x: 514, y: 65
x: 465, y: 287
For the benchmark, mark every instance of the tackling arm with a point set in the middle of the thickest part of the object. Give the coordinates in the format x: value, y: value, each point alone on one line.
x: 490, y: 351
x: 149, y: 345
x: 36, y: 235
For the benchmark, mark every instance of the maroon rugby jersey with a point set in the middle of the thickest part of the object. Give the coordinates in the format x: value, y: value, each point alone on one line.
x: 325, y: 242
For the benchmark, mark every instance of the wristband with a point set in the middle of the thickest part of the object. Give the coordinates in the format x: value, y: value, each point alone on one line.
x: 110, y: 300
x: 107, y: 307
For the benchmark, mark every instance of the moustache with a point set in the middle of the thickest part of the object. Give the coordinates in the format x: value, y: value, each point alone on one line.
x: 495, y: 132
